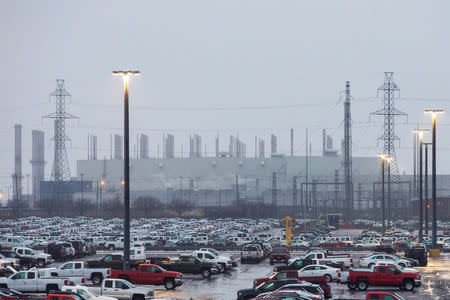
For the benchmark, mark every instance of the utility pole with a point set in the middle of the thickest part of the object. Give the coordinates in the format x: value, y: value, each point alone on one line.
x: 306, y: 175
x: 420, y: 133
x: 294, y: 195
x: 383, y: 157
x: 348, y: 178
x: 389, y: 190
x: 427, y: 204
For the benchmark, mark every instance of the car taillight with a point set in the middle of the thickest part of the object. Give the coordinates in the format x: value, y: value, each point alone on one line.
x: 351, y: 259
x: 66, y: 282
x: 327, y: 290
x: 108, y: 271
x: 82, y: 280
x: 342, y: 268
x: 339, y: 274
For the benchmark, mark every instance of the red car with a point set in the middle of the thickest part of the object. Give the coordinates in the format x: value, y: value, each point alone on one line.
x: 280, y: 254
x: 150, y: 274
x: 382, y: 276
x: 383, y: 296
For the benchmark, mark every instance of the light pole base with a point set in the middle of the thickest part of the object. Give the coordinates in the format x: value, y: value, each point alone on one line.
x: 435, y: 252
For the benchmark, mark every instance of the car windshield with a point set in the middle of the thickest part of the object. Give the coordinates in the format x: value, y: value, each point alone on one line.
x: 398, y: 296
x: 279, y: 250
x: 129, y: 284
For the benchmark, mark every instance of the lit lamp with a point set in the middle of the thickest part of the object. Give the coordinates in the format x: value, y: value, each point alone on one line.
x: 434, y: 113
x: 126, y: 194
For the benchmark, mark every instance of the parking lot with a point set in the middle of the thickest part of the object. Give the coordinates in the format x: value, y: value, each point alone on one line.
x: 435, y: 278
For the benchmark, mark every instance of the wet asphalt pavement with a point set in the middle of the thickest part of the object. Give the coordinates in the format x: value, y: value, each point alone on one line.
x: 435, y: 279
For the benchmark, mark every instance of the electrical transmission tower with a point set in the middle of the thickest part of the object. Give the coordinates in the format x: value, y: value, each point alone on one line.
x: 61, y: 170
x: 347, y: 163
x: 390, y: 91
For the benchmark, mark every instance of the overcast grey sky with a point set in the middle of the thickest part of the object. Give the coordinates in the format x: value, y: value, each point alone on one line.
x: 203, y: 60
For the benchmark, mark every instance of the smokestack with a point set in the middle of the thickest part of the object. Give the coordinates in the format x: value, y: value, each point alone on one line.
x: 324, y: 142
x: 273, y: 144
x: 217, y: 145
x: 17, y: 188
x: 94, y: 147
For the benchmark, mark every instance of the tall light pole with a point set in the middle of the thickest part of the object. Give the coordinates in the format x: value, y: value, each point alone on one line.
x: 28, y: 188
x: 126, y: 195
x: 388, y: 160
x: 420, y: 133
x: 427, y: 204
x: 383, y: 157
x: 434, y: 112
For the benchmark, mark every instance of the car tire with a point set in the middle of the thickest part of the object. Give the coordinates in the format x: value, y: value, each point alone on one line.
x: 169, y: 284
x: 328, y: 277
x: 97, y: 279
x: 111, y: 247
x: 402, y: 265
x: 40, y: 263
x: 25, y: 266
x: 362, y: 285
x: 408, y: 285
x: 221, y: 268
x: 370, y: 265
x: 224, y: 266
x: 206, y: 273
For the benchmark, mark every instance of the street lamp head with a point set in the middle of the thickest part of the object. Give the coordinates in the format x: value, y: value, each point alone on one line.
x: 102, y: 182
x: 383, y: 156
x: 434, y: 112
x: 420, y: 132
x: 126, y: 73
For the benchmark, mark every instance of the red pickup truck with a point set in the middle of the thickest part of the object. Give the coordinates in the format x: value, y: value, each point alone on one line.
x: 280, y: 254
x: 383, y: 295
x: 382, y: 276
x: 150, y: 274
x: 291, y: 274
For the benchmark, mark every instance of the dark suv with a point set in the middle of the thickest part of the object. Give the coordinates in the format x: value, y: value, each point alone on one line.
x: 417, y: 251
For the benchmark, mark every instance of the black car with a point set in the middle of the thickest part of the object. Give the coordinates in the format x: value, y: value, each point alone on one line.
x: 268, y: 286
x: 386, y: 248
x: 79, y: 248
x: 295, y: 265
x: 57, y: 251
x: 113, y: 261
x: 25, y: 262
x: 190, y: 265
x: 417, y: 252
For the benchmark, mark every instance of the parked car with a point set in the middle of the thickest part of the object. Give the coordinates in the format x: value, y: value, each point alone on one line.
x: 417, y: 251
x: 265, y: 287
x: 29, y: 281
x: 280, y: 254
x: 320, y: 270
x: 187, y: 264
x: 151, y: 274
x: 252, y: 252
x: 10, y: 294
x: 361, y: 279
x: 223, y: 263
x: 371, y: 260
x: 25, y: 263
x: 42, y: 259
x: 79, y: 269
x: 122, y: 289
x: 85, y: 292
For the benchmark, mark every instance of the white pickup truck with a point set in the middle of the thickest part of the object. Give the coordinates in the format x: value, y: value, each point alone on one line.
x: 322, y: 255
x: 85, y: 292
x: 30, y: 281
x: 222, y: 262
x: 42, y: 259
x: 78, y: 269
x: 54, y: 273
x: 122, y: 289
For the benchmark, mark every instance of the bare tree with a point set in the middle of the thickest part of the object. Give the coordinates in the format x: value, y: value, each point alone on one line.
x: 147, y: 203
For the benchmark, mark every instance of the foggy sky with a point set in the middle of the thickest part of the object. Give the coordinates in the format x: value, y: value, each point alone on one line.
x: 222, y: 67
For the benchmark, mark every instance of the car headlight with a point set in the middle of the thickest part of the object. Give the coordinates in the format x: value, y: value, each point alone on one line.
x: 150, y: 293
